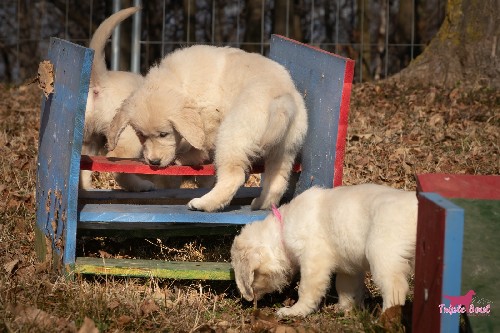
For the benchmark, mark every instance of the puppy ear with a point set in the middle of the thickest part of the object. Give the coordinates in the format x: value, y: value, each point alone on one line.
x: 248, y: 266
x: 118, y: 124
x: 190, y: 126
x: 245, y: 262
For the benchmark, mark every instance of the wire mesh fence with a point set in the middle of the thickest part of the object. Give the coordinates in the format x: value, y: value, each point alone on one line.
x: 383, y: 36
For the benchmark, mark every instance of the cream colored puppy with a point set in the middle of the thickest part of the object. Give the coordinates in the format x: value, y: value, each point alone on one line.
x: 231, y: 106
x: 348, y: 231
x: 108, y: 90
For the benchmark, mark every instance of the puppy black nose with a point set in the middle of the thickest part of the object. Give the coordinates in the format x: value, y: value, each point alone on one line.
x: 154, y: 162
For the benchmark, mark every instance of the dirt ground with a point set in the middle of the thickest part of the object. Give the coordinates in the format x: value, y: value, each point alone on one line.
x: 394, y: 133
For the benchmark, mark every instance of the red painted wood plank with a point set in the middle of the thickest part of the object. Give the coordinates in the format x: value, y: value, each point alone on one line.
x: 460, y: 186
x: 428, y: 266
x: 343, y: 121
x: 135, y: 165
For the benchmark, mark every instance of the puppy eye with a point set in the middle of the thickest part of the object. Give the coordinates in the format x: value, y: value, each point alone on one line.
x: 163, y: 134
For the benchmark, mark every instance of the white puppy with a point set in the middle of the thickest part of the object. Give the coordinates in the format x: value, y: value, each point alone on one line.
x: 347, y: 230
x: 108, y: 90
x: 229, y: 105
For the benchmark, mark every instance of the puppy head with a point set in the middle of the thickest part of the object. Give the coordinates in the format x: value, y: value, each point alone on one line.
x: 161, y: 122
x: 258, y: 271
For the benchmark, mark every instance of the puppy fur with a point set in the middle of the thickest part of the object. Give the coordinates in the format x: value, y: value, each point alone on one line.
x: 231, y: 107
x: 108, y: 90
x: 348, y: 231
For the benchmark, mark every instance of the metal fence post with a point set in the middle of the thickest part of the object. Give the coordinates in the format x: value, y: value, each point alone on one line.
x: 115, y: 41
x: 135, y: 57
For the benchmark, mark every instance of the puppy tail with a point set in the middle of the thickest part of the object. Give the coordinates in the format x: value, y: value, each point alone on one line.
x: 281, y: 112
x: 101, y: 35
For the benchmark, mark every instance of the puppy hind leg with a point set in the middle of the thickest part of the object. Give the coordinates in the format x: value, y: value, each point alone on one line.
x: 394, y: 288
x: 350, y: 289
x: 390, y: 272
x: 276, y: 175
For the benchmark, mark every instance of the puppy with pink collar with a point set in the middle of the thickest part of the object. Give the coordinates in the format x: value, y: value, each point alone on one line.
x: 346, y: 231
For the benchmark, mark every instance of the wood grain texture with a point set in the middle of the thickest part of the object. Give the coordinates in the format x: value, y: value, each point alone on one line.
x: 155, y: 268
x: 60, y: 142
x: 437, y: 262
x: 460, y: 186
x: 324, y: 79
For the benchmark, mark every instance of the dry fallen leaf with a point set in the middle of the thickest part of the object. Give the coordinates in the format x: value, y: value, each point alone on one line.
x: 46, y: 77
x: 391, y: 317
x: 124, y: 320
x: 88, y: 326
x: 10, y: 266
x: 36, y: 318
x: 149, y: 306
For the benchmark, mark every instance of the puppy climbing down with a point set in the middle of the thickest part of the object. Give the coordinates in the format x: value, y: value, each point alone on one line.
x: 348, y: 231
x: 231, y: 107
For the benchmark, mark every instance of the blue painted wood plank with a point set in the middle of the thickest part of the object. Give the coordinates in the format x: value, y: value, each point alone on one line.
x: 107, y: 215
x: 60, y: 141
x: 320, y: 76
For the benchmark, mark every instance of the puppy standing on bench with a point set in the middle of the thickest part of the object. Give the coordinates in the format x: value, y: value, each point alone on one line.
x: 108, y: 90
x: 348, y: 230
x: 231, y: 106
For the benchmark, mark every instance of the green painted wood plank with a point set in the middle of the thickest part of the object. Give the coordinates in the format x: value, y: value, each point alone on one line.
x: 481, y: 259
x: 155, y: 268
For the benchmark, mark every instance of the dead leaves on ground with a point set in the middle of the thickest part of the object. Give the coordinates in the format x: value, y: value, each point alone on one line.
x: 396, y: 132
x: 38, y: 320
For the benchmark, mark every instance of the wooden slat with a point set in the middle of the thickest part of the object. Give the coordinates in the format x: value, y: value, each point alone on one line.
x: 156, y: 216
x: 438, y: 262
x: 60, y: 145
x: 185, y: 193
x: 136, y: 165
x: 485, y: 187
x: 155, y: 268
x: 324, y: 79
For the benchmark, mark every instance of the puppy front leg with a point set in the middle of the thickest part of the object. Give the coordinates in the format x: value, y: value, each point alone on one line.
x: 229, y: 179
x: 314, y: 282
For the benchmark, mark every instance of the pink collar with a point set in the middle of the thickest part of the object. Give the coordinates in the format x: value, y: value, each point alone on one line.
x: 277, y: 214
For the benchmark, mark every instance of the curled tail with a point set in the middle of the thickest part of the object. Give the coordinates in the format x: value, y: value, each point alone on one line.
x: 282, y: 111
x: 100, y: 37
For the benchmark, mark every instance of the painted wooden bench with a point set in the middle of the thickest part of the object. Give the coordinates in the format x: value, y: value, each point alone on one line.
x: 63, y: 212
x: 457, y: 250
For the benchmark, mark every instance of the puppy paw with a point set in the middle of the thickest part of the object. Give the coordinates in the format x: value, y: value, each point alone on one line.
x: 257, y: 203
x: 203, y: 205
x: 293, y: 311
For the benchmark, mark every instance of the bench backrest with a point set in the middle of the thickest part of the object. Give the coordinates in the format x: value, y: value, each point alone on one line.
x: 325, y: 81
